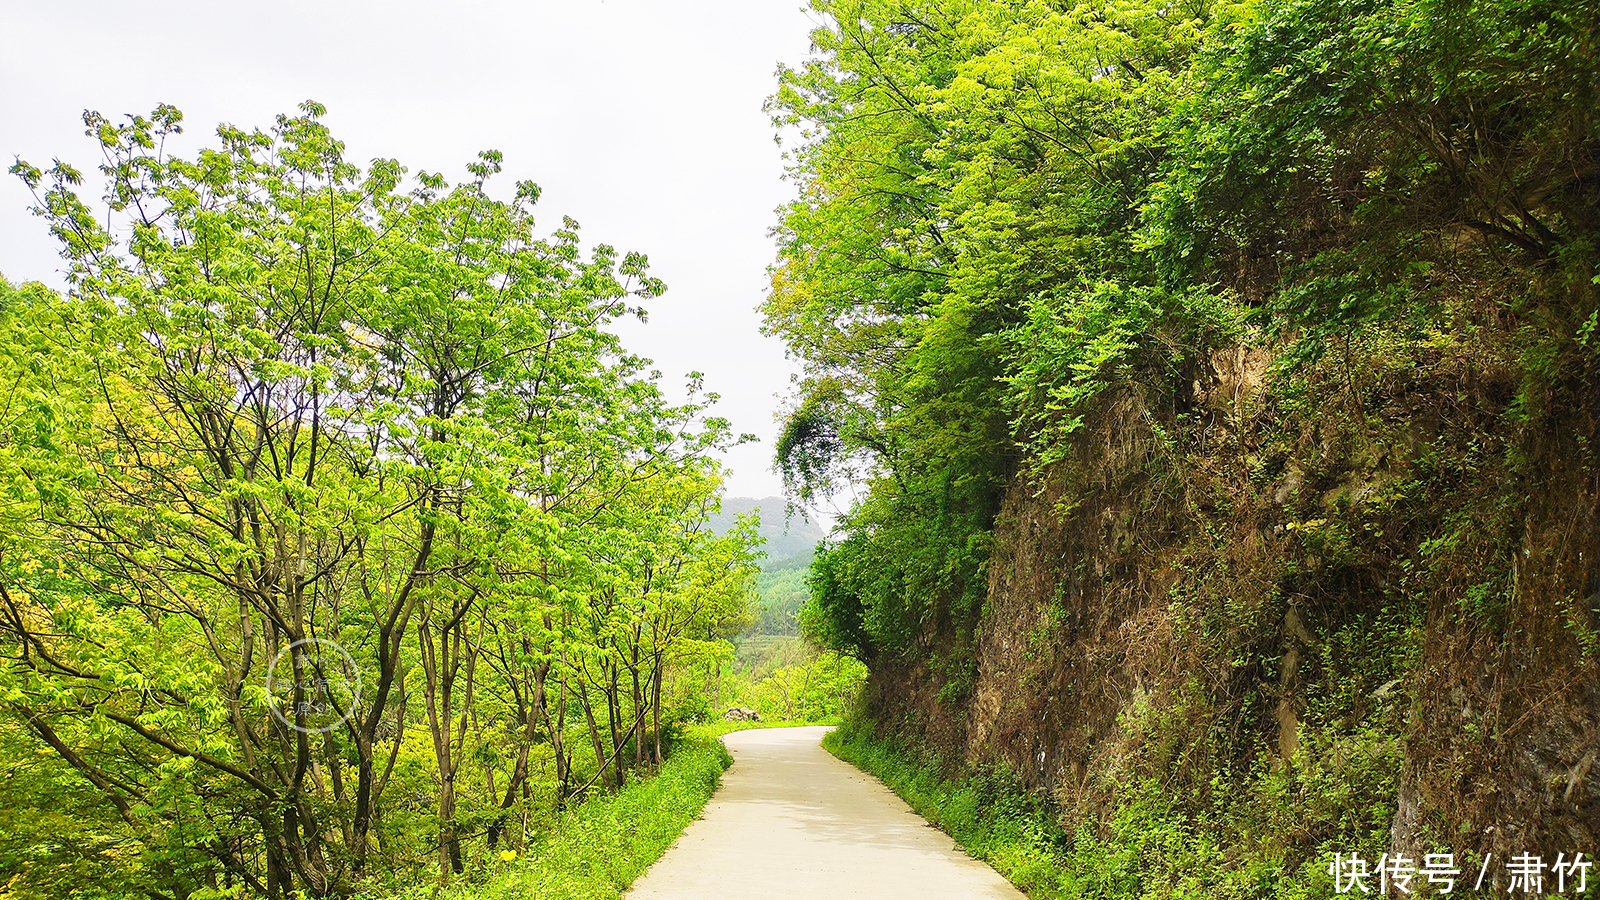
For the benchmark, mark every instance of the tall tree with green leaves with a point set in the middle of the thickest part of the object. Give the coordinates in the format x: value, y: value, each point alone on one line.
x: 289, y: 402
x: 961, y: 267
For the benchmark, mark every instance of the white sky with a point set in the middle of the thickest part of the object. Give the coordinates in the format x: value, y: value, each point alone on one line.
x: 639, y: 118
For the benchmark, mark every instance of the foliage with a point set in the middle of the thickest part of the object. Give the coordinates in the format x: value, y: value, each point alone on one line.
x: 601, y: 845
x: 782, y: 594
x: 287, y: 399
x: 1155, y: 845
x: 782, y: 677
x: 1004, y: 208
x: 1352, y: 149
x: 961, y: 273
x: 822, y: 688
x: 1024, y: 233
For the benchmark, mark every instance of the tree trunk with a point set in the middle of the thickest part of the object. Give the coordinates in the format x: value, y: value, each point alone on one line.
x: 594, y: 731
x: 655, y: 707
x: 638, y: 706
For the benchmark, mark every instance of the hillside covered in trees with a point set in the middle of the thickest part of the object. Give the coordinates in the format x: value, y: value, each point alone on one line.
x: 1225, y: 378
x: 787, y: 535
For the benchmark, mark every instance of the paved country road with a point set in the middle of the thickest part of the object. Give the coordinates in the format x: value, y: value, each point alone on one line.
x: 790, y: 820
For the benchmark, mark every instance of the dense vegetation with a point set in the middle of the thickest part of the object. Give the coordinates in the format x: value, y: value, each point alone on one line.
x: 1222, y: 378
x: 606, y: 842
x: 342, y: 541
x: 1226, y: 382
x: 1008, y: 207
x: 775, y: 670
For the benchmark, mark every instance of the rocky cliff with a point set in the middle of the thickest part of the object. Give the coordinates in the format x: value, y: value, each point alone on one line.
x: 1279, y: 612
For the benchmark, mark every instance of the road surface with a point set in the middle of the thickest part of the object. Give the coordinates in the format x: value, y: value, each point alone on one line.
x: 790, y: 820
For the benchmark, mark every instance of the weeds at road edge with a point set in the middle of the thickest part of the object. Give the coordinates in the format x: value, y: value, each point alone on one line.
x: 609, y: 840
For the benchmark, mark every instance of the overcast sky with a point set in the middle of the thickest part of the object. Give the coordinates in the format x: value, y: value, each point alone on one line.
x: 639, y: 118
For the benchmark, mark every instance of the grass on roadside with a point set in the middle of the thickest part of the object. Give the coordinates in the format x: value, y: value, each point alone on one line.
x: 1147, y: 850
x: 988, y: 814
x: 606, y: 842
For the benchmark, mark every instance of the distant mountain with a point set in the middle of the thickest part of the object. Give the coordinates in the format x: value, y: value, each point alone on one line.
x: 785, y: 539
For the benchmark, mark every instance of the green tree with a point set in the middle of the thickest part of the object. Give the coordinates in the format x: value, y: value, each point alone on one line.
x: 967, y: 173
x: 287, y: 400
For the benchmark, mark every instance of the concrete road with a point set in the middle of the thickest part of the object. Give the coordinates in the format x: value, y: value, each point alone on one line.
x: 790, y: 820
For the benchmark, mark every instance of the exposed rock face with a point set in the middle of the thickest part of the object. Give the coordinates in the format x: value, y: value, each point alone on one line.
x: 1387, y: 590
x: 741, y: 714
